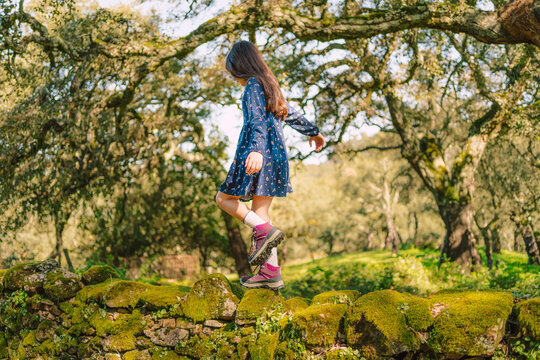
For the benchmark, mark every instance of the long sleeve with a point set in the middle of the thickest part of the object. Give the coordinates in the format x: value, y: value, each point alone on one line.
x: 254, y: 103
x: 299, y: 122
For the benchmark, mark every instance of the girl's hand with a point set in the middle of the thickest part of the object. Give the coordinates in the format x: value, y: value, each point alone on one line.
x: 319, y: 142
x: 254, y: 162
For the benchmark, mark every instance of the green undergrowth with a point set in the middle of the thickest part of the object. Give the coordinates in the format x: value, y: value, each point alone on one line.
x: 413, y: 270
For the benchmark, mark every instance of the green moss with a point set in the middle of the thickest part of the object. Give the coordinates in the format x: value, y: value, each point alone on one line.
x: 336, y: 297
x: 161, y: 297
x: 122, y: 330
x: 284, y: 352
x: 257, y: 302
x: 94, y: 293
x: 99, y: 273
x: 83, y: 314
x: 133, y: 355
x: 265, y: 347
x: 61, y: 285
x: 46, y: 348
x: 211, y: 298
x: 91, y: 347
x: 29, y: 339
x: 242, y: 348
x: 16, y: 277
x: 2, y: 273
x: 237, y: 289
x: 296, y: 303
x: 472, y: 322
x: 319, y: 324
x: 66, y: 307
x: 125, y: 293
x: 528, y: 315
x: 161, y: 353
x: 387, y: 320
x: 3, y: 347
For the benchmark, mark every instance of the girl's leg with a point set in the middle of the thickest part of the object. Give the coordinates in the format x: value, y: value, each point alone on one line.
x: 261, y: 205
x: 231, y: 205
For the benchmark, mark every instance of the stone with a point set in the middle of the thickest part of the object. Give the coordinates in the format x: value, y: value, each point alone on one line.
x: 99, y: 273
x: 256, y: 303
x: 184, y: 324
x: 319, y: 325
x: 211, y: 298
x: 167, y: 323
x: 166, y: 336
x: 528, y: 317
x: 45, y: 330
x: 44, y: 277
x: 137, y: 355
x: 296, y: 303
x: 214, y: 323
x: 471, y: 324
x: 387, y: 322
x: 111, y: 356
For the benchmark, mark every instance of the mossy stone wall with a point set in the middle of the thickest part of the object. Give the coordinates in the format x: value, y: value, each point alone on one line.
x: 49, y: 313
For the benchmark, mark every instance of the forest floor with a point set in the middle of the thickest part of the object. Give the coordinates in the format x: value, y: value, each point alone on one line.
x: 413, y: 270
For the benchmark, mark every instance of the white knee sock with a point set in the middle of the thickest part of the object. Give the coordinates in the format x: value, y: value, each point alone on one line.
x: 251, y: 219
x: 272, y: 259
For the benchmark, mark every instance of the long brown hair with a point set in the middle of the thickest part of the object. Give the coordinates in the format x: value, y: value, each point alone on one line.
x: 244, y: 61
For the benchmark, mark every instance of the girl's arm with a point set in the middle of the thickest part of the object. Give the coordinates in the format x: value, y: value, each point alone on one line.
x: 257, y: 121
x: 299, y: 122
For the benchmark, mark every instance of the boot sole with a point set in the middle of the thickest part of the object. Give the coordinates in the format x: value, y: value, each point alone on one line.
x: 264, y: 252
x: 276, y: 285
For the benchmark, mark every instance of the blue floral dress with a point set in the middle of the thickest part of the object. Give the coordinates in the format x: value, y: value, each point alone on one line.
x: 263, y: 132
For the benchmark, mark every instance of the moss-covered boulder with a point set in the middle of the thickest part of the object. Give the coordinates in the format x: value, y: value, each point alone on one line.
x: 264, y: 348
x: 61, y: 285
x: 44, y: 277
x: 336, y: 297
x: 211, y: 298
x: 470, y: 323
x: 255, y: 303
x: 528, y: 315
x: 99, y: 273
x: 117, y: 330
x: 119, y: 293
x: 388, y: 322
x: 296, y: 303
x: 320, y: 325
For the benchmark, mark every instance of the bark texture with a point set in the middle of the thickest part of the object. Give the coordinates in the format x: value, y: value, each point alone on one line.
x: 521, y: 19
x: 237, y: 245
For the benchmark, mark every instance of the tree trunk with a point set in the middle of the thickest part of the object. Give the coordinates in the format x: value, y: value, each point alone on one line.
x: 59, y: 224
x: 530, y: 242
x: 517, y: 244
x: 237, y: 245
x: 391, y: 235
x: 459, y: 243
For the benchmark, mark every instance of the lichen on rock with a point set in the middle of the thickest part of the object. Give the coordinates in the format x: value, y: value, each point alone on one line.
x: 387, y: 320
x: 319, y: 325
x: 42, y: 277
x: 99, y: 273
x: 211, y: 297
x: 528, y: 316
x: 255, y: 303
x: 296, y: 303
x: 471, y: 324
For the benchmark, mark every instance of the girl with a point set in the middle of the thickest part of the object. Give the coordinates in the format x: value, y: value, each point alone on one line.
x: 260, y: 169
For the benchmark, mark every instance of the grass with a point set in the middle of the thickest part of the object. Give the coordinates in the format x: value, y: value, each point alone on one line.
x: 414, y: 270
